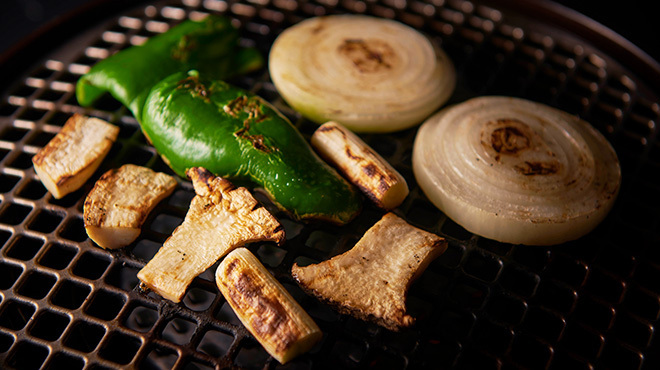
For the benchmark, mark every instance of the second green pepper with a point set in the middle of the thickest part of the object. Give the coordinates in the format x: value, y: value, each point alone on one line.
x: 210, y: 46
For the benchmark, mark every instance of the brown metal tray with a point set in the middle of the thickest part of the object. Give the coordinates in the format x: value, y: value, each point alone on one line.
x: 594, y: 302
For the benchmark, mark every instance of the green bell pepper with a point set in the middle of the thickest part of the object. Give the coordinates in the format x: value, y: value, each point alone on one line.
x: 210, y: 46
x: 213, y: 125
x: 195, y: 122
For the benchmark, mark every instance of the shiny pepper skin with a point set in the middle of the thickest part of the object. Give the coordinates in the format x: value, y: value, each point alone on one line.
x: 193, y: 122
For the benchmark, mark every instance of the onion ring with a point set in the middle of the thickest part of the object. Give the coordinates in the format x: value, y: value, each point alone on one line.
x: 367, y: 73
x: 516, y: 171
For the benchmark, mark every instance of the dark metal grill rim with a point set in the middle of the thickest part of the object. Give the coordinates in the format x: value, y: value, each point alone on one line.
x: 593, y: 302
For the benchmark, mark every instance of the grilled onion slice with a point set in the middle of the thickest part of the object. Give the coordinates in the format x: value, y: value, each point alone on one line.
x: 516, y: 171
x: 369, y: 74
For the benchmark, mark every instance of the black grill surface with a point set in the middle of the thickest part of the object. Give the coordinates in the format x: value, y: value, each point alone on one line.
x: 591, y: 303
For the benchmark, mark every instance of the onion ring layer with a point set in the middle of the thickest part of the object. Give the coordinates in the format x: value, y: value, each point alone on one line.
x: 516, y: 171
x: 367, y: 73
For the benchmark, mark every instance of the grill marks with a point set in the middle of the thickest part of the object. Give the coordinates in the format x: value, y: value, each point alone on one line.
x: 383, y: 179
x: 509, y: 140
x: 253, y: 107
x: 538, y: 168
x: 368, y: 56
x: 265, y: 307
x: 513, y: 143
x: 269, y: 317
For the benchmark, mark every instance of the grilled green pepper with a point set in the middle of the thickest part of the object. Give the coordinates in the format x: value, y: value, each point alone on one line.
x: 212, y: 125
x: 195, y: 122
x: 210, y: 46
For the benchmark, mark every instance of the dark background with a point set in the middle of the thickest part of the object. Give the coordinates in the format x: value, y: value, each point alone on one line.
x: 633, y: 19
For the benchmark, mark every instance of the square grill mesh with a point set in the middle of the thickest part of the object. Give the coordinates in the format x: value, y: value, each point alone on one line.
x: 65, y: 303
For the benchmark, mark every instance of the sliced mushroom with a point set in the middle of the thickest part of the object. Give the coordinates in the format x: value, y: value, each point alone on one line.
x: 265, y: 307
x: 221, y: 217
x: 120, y: 201
x: 371, y: 280
x: 72, y: 156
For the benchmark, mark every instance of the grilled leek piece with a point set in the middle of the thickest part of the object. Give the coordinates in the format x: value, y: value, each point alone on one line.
x: 120, y: 201
x: 72, y: 156
x: 371, y: 280
x: 360, y: 164
x: 221, y: 217
x: 265, y: 307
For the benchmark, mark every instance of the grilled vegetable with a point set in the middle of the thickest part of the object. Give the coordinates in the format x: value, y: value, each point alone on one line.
x: 72, y: 156
x: 221, y: 217
x: 208, y: 123
x: 362, y: 166
x: 120, y: 201
x: 516, y: 171
x: 266, y: 309
x: 195, y: 123
x: 371, y: 280
x: 369, y: 74
x: 209, y: 45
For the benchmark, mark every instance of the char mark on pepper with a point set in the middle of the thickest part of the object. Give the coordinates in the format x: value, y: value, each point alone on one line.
x: 181, y: 51
x: 196, y: 88
x: 255, y: 114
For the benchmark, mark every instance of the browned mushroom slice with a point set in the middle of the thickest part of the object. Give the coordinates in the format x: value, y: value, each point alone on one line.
x: 265, y: 307
x: 120, y: 201
x: 221, y: 217
x: 72, y: 156
x: 371, y: 280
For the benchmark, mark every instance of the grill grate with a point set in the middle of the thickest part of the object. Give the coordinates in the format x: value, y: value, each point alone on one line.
x: 594, y: 302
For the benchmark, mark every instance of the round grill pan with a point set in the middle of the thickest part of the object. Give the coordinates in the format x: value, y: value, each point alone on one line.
x: 591, y: 303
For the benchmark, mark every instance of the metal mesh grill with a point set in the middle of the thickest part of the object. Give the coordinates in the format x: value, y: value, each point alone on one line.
x: 65, y: 303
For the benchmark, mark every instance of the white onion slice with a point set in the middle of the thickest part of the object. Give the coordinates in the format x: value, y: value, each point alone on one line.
x: 367, y: 73
x: 516, y: 171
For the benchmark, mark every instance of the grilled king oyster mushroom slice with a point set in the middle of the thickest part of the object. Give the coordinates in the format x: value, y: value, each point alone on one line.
x: 221, y: 218
x: 120, y: 201
x: 72, y: 156
x: 371, y: 280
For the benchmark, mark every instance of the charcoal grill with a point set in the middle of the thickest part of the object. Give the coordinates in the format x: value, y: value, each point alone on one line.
x: 594, y: 302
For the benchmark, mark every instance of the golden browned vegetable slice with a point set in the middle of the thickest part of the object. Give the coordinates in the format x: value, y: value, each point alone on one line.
x: 221, y: 217
x: 371, y: 280
x: 120, y: 201
x: 266, y: 309
x: 72, y: 156
x: 360, y: 164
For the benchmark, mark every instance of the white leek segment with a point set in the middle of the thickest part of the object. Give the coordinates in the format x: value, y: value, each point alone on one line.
x: 265, y: 307
x: 369, y: 74
x: 360, y: 164
x: 516, y: 171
